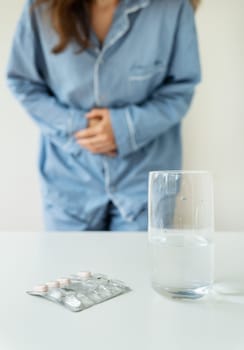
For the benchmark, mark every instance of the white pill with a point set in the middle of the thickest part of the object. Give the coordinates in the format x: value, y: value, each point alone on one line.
x: 64, y: 281
x: 41, y: 288
x: 53, y: 284
x: 84, y: 274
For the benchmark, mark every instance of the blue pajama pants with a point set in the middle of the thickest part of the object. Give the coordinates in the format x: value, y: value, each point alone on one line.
x: 106, y: 219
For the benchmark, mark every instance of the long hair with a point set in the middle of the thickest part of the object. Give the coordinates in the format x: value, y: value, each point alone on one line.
x: 195, y: 3
x: 71, y: 20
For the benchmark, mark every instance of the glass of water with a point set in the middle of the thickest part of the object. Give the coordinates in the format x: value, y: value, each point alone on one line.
x: 181, y: 227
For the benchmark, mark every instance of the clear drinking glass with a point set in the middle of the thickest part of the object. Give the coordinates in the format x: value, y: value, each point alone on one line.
x: 181, y: 226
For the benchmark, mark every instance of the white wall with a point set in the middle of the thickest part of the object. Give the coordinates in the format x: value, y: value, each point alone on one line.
x: 213, y: 130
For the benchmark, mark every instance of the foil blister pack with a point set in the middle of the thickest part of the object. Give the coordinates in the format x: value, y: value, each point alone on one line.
x: 81, y: 290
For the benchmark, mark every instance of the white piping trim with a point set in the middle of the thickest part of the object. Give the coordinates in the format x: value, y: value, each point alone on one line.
x: 116, y: 37
x: 96, y: 81
x: 100, y: 57
x: 128, y: 10
x: 145, y: 76
x: 135, y: 8
x: 106, y: 175
x: 131, y: 130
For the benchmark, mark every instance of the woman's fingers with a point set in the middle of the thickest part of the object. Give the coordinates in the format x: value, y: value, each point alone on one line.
x: 97, y: 137
x: 97, y: 145
x: 96, y: 112
x: 93, y: 121
x: 93, y: 140
x: 85, y: 133
x: 94, y: 128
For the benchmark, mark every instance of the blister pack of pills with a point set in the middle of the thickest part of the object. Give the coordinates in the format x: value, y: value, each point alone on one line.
x: 81, y: 290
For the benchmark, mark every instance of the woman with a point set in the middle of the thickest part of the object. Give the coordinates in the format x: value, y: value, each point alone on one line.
x: 108, y: 83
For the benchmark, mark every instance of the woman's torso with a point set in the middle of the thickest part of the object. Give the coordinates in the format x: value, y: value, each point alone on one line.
x: 131, y: 64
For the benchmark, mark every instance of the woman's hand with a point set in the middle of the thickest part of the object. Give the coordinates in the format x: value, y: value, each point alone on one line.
x: 98, y: 137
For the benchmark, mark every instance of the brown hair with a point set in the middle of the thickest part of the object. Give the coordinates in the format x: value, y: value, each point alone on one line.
x: 71, y: 20
x: 195, y: 3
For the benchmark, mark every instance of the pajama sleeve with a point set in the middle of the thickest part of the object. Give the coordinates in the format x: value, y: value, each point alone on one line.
x: 136, y: 125
x: 26, y: 81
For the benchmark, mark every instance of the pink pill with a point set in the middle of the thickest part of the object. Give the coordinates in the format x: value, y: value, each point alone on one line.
x: 53, y: 284
x: 41, y: 288
x: 84, y: 274
x: 63, y: 281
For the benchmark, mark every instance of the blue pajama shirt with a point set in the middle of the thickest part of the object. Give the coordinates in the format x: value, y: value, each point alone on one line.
x: 145, y: 74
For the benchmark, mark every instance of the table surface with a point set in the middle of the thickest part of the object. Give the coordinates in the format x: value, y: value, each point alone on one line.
x: 141, y: 319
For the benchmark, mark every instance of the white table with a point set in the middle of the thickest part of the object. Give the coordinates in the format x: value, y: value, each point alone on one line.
x: 139, y: 320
